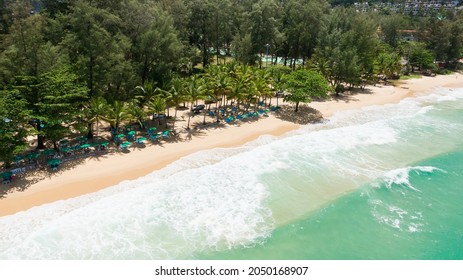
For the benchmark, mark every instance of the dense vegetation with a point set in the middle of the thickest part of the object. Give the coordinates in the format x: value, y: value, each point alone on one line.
x: 75, y: 63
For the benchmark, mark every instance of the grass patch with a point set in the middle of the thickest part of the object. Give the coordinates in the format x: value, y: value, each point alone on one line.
x: 408, y: 77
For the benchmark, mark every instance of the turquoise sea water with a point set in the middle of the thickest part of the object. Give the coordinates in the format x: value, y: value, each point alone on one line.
x: 384, y: 182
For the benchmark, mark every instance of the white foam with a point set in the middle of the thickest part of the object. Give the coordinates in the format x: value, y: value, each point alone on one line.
x: 401, y: 176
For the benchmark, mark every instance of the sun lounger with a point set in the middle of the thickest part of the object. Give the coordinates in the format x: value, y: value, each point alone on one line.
x: 166, y: 134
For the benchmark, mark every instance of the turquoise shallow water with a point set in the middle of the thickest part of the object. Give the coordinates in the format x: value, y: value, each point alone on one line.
x: 383, y: 182
x: 414, y: 213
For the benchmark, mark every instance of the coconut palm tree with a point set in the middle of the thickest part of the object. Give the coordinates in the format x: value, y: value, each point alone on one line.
x: 175, y: 96
x: 262, y: 82
x: 94, y: 111
x: 278, y: 76
x: 157, y: 105
x: 194, y: 90
x: 137, y: 113
x: 146, y: 93
x: 117, y: 112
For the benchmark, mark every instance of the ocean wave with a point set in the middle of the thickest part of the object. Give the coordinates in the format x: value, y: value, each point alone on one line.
x: 401, y: 176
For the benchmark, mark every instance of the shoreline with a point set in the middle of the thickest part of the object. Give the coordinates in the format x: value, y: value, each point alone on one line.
x: 108, y: 170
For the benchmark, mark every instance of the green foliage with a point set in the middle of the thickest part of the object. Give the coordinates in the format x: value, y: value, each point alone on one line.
x: 347, y: 50
x: 61, y: 99
x: 390, y: 27
x: 94, y: 111
x: 14, y: 126
x: 388, y: 64
x: 118, y: 111
x: 243, y: 49
x: 419, y: 56
x: 304, y: 85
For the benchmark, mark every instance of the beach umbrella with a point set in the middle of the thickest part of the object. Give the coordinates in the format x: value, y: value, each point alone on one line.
x: 54, y: 161
x: 6, y: 175
x: 76, y: 147
x: 84, y: 146
x: 104, y: 144
x: 64, y: 142
x: 32, y: 156
x: 151, y: 129
x: 126, y: 143
x: 81, y: 138
x: 120, y: 135
x: 65, y: 149
x: 141, y: 139
x: 18, y: 158
x: 131, y: 132
x: 48, y: 152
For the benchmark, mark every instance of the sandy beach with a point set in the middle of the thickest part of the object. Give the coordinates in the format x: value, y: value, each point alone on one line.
x: 107, y: 170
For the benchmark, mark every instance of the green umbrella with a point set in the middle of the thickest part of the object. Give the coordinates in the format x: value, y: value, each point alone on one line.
x: 141, y: 139
x: 6, y: 175
x: 120, y: 135
x: 81, y: 138
x: 106, y: 143
x: 151, y: 129
x: 65, y: 149
x: 126, y: 143
x: 64, y: 142
x: 48, y: 152
x: 131, y: 132
x: 54, y: 161
x: 84, y: 146
x: 32, y: 156
x: 18, y: 158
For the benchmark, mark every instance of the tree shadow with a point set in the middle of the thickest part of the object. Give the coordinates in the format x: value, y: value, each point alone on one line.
x: 189, y: 133
x: 305, y: 115
x: 40, y: 171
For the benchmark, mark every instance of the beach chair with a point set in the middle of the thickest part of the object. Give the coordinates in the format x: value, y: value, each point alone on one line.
x: 124, y: 145
x: 140, y: 140
x: 165, y: 134
x: 152, y: 130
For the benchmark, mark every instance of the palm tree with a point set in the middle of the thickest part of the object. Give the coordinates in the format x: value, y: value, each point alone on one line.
x: 175, y: 95
x: 278, y: 76
x: 194, y: 90
x: 117, y: 112
x: 217, y: 83
x: 146, y: 93
x: 137, y: 113
x: 157, y: 105
x: 262, y: 81
x: 95, y: 111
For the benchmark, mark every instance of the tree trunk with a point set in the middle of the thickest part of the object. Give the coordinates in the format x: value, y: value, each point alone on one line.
x: 40, y: 139
x: 297, y: 106
x: 90, y: 130
x: 189, y: 118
